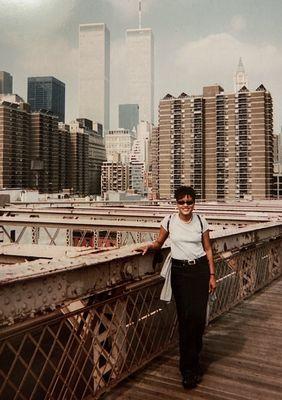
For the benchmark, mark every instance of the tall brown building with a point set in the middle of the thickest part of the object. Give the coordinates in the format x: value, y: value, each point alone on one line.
x: 64, y: 150
x: 87, y: 154
x: 79, y: 162
x: 44, y: 148
x: 221, y: 144
x: 115, y: 176
x: 154, y: 163
x: 14, y: 144
x: 37, y: 152
x: 96, y: 153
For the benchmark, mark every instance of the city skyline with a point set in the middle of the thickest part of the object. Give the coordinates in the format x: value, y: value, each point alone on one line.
x: 189, y: 36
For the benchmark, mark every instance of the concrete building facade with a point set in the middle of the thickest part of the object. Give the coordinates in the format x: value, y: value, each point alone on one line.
x: 94, y: 73
x: 120, y: 142
x: 221, y: 144
x: 47, y: 93
x: 6, y: 83
x: 115, y: 176
x: 140, y: 71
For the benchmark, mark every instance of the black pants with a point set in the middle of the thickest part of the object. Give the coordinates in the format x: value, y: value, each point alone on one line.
x: 190, y: 288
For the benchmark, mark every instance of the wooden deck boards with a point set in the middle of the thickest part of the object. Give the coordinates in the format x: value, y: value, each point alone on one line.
x: 242, y: 357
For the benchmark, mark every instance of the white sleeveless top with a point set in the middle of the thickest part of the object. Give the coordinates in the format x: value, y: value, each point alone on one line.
x: 185, y: 238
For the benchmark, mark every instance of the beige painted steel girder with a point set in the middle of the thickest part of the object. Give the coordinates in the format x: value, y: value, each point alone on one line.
x: 29, y: 288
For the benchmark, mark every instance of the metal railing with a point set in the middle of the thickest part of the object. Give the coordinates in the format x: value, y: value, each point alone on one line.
x: 94, y: 340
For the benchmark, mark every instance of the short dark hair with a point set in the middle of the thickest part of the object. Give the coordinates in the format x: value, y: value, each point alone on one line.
x: 184, y: 191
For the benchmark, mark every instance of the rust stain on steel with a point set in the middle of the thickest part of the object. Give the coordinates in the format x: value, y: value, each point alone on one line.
x: 44, y: 284
x: 64, y: 279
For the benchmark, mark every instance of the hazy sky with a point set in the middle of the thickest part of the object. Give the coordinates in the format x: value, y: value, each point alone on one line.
x: 197, y: 43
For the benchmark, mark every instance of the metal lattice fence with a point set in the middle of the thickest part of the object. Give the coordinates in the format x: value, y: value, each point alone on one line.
x: 80, y: 353
x: 84, y: 348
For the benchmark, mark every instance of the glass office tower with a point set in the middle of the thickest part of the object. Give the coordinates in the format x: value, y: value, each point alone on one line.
x: 47, y: 93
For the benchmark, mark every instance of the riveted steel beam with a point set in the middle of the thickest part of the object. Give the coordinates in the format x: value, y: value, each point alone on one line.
x: 234, y: 239
x: 147, y: 214
x: 82, y: 224
x: 33, y: 287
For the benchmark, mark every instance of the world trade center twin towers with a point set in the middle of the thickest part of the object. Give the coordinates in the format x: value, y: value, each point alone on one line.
x: 94, y: 72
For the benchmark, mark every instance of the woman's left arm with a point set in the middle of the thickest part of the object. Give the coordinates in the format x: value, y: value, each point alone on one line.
x: 208, y: 249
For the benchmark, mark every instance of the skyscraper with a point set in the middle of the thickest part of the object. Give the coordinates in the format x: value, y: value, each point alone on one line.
x: 47, y: 93
x: 240, y: 77
x: 14, y: 143
x: 140, y: 70
x: 94, y: 73
x: 44, y: 147
x: 220, y: 143
x: 128, y: 116
x: 6, y: 83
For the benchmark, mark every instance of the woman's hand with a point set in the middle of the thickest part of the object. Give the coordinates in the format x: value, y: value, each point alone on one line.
x: 156, y: 245
x: 212, y: 285
x: 144, y: 249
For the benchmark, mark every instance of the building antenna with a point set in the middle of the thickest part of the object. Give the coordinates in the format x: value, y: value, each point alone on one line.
x: 140, y: 14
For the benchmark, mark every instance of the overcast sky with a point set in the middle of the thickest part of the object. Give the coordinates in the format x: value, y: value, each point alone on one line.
x: 197, y: 43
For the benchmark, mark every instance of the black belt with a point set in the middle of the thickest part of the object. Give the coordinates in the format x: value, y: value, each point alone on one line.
x: 185, y: 263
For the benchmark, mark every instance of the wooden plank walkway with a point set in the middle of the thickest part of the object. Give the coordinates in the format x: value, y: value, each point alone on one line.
x: 242, y: 358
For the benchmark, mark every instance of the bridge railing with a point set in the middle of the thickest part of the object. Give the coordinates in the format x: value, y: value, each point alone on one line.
x: 50, y: 227
x: 73, y: 328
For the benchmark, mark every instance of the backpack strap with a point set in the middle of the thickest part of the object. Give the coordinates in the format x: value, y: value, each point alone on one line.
x: 168, y: 223
x: 201, y: 223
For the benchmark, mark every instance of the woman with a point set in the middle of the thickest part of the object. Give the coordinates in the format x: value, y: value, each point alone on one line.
x: 192, y: 278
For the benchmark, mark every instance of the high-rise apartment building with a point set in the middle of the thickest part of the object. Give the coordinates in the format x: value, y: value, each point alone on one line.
x: 14, y: 144
x: 115, y: 176
x: 38, y: 152
x: 96, y: 152
x: 128, y: 116
x: 64, y: 153
x: 94, y: 73
x: 154, y: 162
x: 220, y: 143
x: 83, y: 152
x: 44, y: 148
x: 6, y: 83
x: 47, y: 93
x: 79, y: 170
x: 140, y: 71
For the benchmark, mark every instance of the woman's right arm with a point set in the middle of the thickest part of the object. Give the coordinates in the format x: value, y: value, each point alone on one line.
x: 157, y: 244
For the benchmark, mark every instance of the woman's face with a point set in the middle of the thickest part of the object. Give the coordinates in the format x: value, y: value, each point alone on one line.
x: 185, y: 206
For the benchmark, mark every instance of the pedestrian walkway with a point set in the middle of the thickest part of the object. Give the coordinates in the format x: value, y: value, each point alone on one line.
x: 242, y: 358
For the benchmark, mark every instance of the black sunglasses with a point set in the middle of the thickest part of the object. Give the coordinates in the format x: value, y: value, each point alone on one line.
x: 188, y: 202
